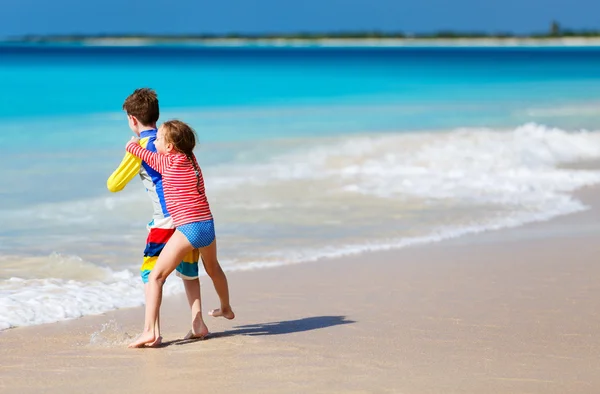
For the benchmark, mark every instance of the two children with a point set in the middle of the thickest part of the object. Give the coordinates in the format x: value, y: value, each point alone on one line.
x: 177, y: 140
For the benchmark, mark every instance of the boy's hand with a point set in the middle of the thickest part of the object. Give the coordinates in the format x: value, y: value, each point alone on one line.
x: 134, y: 140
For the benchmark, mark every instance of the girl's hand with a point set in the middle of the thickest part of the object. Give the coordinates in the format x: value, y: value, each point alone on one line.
x: 134, y: 140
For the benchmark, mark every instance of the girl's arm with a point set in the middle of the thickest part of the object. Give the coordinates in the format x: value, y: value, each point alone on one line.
x: 155, y: 160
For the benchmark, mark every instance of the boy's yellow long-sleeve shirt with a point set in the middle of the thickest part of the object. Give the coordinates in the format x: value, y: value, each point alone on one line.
x: 130, y: 167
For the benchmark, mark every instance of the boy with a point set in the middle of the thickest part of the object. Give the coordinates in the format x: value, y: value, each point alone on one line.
x: 142, y: 114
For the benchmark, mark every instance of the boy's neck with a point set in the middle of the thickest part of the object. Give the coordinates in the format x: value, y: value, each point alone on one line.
x: 143, y: 128
x: 146, y: 128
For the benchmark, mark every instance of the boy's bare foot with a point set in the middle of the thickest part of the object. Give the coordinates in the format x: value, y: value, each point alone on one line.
x: 191, y: 335
x: 143, y: 339
x: 198, y: 331
x: 227, y: 313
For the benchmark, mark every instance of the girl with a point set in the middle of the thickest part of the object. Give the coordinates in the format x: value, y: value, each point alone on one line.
x: 187, y: 204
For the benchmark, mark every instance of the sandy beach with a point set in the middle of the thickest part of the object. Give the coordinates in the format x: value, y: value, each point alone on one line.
x: 382, y: 42
x: 511, y: 311
x: 355, y: 42
x: 127, y: 41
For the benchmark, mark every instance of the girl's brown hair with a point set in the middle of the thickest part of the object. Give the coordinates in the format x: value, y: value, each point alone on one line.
x: 181, y: 135
x: 183, y: 138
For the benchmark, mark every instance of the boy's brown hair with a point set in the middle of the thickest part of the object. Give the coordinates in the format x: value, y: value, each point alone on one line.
x: 143, y: 104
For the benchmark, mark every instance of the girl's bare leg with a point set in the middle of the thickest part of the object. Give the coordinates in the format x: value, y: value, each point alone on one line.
x: 213, y: 269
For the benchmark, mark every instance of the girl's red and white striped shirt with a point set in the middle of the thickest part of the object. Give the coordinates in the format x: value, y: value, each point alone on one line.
x: 184, y: 193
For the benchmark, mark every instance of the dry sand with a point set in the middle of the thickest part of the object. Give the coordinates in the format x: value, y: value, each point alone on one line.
x: 511, y: 311
x: 351, y: 42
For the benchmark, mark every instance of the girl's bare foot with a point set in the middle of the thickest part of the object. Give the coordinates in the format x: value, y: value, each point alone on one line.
x: 227, y: 313
x: 144, y: 338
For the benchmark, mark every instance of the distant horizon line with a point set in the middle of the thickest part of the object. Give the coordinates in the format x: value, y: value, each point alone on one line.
x: 349, y: 34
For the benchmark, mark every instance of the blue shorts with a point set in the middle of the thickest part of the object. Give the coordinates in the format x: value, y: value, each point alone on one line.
x: 200, y: 234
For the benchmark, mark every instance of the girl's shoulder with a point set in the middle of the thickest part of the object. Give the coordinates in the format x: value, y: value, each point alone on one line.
x: 179, y: 160
x: 177, y: 157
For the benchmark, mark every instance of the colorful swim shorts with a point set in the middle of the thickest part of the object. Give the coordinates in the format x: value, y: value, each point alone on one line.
x: 160, y: 231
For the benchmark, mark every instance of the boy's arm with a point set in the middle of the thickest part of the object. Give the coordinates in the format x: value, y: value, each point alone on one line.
x: 130, y: 166
x: 127, y: 170
x: 155, y: 160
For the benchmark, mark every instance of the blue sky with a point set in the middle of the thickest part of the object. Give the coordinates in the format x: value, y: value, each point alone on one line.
x: 21, y: 17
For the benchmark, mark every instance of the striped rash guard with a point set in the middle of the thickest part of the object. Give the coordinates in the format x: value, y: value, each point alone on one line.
x: 183, y: 187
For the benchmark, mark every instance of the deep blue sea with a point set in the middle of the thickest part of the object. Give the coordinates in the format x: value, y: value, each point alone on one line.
x: 307, y: 153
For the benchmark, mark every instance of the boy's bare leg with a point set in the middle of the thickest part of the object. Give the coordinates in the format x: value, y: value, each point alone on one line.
x: 192, y: 290
x: 169, y: 258
x: 157, y: 342
x: 214, y: 270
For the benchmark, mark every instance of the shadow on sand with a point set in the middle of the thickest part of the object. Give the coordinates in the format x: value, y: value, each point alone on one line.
x: 273, y: 328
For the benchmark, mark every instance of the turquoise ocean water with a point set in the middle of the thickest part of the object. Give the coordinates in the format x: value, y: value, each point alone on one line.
x: 307, y: 153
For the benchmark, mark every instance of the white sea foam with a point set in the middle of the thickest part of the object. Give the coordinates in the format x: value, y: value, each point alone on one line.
x: 484, y: 166
x: 26, y: 302
x: 475, y: 165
